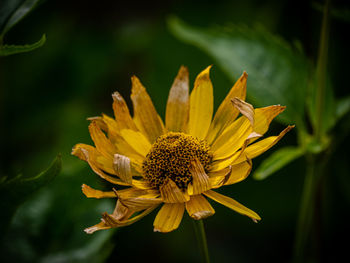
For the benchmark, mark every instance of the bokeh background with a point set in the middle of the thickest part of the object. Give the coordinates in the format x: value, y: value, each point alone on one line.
x: 92, y: 50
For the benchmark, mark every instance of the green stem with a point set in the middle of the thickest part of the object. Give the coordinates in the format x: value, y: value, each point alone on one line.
x: 321, y: 70
x: 306, y: 210
x: 201, y: 238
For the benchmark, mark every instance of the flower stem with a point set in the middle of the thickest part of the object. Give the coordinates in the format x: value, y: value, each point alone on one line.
x: 306, y: 210
x: 321, y: 70
x: 199, y: 230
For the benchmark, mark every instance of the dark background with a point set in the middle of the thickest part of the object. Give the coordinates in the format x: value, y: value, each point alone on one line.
x: 92, y: 50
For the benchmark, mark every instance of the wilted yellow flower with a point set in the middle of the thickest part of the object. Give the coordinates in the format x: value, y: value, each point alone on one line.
x: 176, y: 165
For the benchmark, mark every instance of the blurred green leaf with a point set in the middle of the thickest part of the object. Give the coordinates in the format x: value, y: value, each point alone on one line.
x: 49, y: 226
x: 7, y: 50
x: 276, y: 161
x: 21, y: 11
x: 15, y: 191
x: 342, y: 107
x: 7, y: 7
x: 277, y: 73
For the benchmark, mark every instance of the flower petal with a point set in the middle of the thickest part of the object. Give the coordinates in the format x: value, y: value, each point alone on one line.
x: 121, y: 113
x: 169, y: 217
x: 232, y: 204
x: 170, y: 193
x: 239, y: 172
x: 177, y: 109
x: 199, y: 208
x: 90, y: 157
x: 121, y: 212
x: 137, y: 141
x: 122, y: 167
x: 103, y: 145
x: 262, y: 146
x: 201, y: 105
x: 200, y: 180
x: 226, y: 114
x: 93, y: 193
x: 115, y: 220
x: 231, y: 139
x: 245, y: 108
x: 146, y: 117
x: 218, y: 165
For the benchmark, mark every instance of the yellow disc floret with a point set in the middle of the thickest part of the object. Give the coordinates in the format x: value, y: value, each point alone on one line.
x: 171, y: 156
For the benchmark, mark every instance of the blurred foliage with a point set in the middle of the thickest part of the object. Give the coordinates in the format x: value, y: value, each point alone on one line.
x: 11, y: 12
x: 93, y: 50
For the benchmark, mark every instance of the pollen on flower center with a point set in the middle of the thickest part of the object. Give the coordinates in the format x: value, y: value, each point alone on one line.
x: 171, y: 156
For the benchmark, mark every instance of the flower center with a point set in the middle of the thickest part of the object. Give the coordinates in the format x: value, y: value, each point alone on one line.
x: 171, y: 156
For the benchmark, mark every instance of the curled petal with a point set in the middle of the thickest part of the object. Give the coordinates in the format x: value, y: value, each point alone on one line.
x: 245, y: 108
x: 199, y: 208
x: 122, y: 167
x: 170, y: 193
x: 200, y: 180
x: 169, y: 217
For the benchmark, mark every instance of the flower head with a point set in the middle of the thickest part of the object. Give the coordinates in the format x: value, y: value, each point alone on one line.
x: 176, y: 165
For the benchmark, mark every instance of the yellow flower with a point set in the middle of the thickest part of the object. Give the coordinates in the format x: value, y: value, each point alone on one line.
x: 176, y: 165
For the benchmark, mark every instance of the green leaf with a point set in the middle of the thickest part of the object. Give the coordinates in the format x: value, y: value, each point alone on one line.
x: 7, y: 7
x: 7, y: 50
x: 342, y: 107
x: 278, y: 74
x: 50, y: 224
x: 276, y: 161
x: 14, y: 192
x: 22, y: 10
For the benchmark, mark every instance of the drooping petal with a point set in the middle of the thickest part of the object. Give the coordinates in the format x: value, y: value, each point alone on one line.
x: 122, y: 115
x: 262, y: 146
x: 137, y: 141
x: 170, y: 193
x: 177, y: 109
x: 201, y: 105
x: 232, y: 204
x: 200, y: 180
x: 122, y: 167
x: 239, y: 172
x: 245, y: 108
x: 169, y: 217
x: 199, y: 208
x: 93, y: 193
x: 89, y: 155
x: 109, y: 221
x: 146, y: 117
x: 121, y: 212
x: 226, y: 114
x: 102, y: 143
